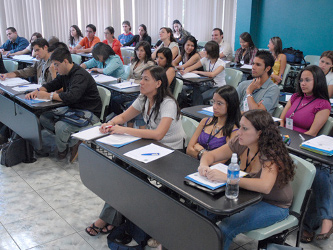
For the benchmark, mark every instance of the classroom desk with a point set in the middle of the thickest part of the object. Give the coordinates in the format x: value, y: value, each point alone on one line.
x: 238, y: 67
x: 294, y: 146
x: 197, y: 81
x: 168, y: 214
x: 23, y: 117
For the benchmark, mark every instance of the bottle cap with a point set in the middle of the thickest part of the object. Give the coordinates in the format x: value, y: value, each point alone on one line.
x: 234, y: 158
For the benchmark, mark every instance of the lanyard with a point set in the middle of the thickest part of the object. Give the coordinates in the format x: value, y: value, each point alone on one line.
x: 211, y: 70
x: 293, y: 113
x: 247, y: 157
x: 211, y: 137
x: 151, y: 113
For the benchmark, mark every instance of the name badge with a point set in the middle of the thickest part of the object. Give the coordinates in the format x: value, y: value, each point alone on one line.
x: 289, y: 123
x: 245, y: 105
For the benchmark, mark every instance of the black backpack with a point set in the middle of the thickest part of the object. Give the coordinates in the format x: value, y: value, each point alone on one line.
x: 293, y: 55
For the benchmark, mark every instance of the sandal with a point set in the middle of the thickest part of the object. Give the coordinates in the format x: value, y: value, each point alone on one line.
x: 93, y: 229
x: 324, y: 236
x: 307, y: 239
x: 106, y: 230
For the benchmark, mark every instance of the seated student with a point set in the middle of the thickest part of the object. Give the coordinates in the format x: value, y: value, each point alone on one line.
x: 306, y: 112
x: 75, y: 36
x: 127, y: 35
x: 246, y: 53
x: 326, y: 64
x: 142, y: 36
x: 166, y: 36
x: 261, y: 92
x: 188, y: 55
x: 88, y: 42
x: 79, y: 92
x: 112, y: 41
x: 214, y: 68
x: 105, y: 61
x: 179, y: 33
x: 214, y: 132
x: 164, y: 59
x: 53, y: 40
x: 28, y: 49
x: 264, y: 156
x: 161, y: 113
x: 225, y: 48
x: 42, y: 69
x: 14, y: 43
x: 275, y: 47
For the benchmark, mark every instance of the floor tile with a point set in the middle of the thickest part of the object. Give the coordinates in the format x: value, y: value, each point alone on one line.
x: 82, y: 214
x: 6, y: 242
x: 65, y: 193
x: 47, y: 177
x: 13, y: 186
x: 6, y: 172
x: 39, y: 164
x: 70, y: 242
x: 71, y: 168
x: 241, y: 239
x: 37, y: 230
x: 97, y: 242
x: 23, y: 206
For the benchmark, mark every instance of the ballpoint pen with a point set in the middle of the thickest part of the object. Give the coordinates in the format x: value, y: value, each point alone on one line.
x: 301, y: 137
x: 153, y: 154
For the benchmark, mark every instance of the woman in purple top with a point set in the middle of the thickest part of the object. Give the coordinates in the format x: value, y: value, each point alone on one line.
x: 306, y: 112
x: 214, y: 132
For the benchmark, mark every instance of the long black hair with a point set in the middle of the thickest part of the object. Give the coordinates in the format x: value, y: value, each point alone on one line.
x: 194, y: 41
x: 320, y: 89
x: 146, y: 46
x: 78, y: 32
x: 158, y: 73
x: 229, y: 94
x: 168, y: 55
x: 102, y: 49
x: 145, y: 29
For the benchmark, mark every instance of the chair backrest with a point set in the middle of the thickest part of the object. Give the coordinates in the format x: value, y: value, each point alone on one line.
x: 178, y: 88
x: 313, y: 60
x: 127, y: 55
x: 127, y: 69
x: 77, y: 59
x: 105, y: 95
x: 201, y: 44
x: 305, y: 173
x: 278, y: 111
x: 189, y: 126
x: 285, y: 74
x: 327, y: 128
x: 10, y: 65
x: 233, y: 77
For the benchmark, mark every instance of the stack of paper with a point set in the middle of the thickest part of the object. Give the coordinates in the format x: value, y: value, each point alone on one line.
x: 190, y: 75
x: 207, y: 111
x: 322, y: 144
x: 125, y: 85
x: 148, y: 153
x: 89, y: 134
x: 203, y: 181
x: 118, y: 140
x: 12, y: 82
x: 27, y: 87
x: 100, y: 78
x: 24, y: 58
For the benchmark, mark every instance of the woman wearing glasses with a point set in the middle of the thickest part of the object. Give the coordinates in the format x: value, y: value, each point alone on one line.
x: 306, y: 112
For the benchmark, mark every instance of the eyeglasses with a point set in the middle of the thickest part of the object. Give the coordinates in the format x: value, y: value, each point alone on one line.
x: 305, y: 80
x: 218, y: 103
x: 89, y: 31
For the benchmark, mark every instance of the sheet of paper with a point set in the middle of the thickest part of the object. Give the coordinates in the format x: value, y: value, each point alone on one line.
x: 12, y: 82
x: 288, y: 97
x: 100, y: 78
x: 331, y: 100
x: 24, y: 58
x: 275, y: 119
x: 209, y: 109
x: 322, y: 142
x: 125, y: 85
x: 89, y: 134
x: 148, y: 153
x: 118, y: 140
x: 27, y: 87
x: 203, y: 181
x: 190, y: 75
x: 246, y: 66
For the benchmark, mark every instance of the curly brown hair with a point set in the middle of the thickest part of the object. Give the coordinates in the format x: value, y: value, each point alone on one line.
x: 271, y: 146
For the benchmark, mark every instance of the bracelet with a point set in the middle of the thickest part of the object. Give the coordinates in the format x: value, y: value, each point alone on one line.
x: 51, y: 96
x: 248, y: 95
x: 201, y: 153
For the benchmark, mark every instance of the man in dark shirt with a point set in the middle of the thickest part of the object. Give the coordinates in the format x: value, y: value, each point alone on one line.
x: 14, y: 42
x: 79, y: 92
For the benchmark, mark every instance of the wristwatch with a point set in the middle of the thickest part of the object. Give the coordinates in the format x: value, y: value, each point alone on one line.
x: 51, y: 96
x: 248, y: 95
x: 201, y: 153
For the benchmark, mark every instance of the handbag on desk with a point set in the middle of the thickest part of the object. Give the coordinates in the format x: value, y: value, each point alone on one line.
x: 293, y: 55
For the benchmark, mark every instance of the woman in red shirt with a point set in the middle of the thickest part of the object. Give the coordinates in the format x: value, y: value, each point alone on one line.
x: 112, y: 41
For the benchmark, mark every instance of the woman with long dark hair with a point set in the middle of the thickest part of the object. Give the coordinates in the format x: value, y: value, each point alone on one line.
x: 75, y: 36
x: 141, y: 36
x: 246, y: 53
x: 326, y: 64
x: 189, y: 55
x: 263, y: 155
x: 275, y: 47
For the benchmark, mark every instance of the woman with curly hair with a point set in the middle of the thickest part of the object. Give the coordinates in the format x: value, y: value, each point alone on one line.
x: 264, y: 156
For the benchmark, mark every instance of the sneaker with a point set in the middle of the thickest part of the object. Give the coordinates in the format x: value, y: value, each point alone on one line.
x: 74, y: 151
x: 62, y: 155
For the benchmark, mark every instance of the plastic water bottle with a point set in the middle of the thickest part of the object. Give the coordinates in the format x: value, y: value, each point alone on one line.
x: 232, y: 188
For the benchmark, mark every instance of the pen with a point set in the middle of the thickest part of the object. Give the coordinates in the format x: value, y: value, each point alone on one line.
x: 301, y: 137
x: 96, y: 76
x: 153, y: 154
x: 109, y: 126
x: 23, y: 86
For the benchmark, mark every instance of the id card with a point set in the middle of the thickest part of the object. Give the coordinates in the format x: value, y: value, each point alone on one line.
x: 289, y: 123
x: 245, y: 105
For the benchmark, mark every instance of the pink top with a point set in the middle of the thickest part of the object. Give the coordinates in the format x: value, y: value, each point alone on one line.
x: 305, y: 113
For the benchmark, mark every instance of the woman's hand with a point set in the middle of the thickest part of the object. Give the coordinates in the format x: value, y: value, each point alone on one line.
x: 203, y: 170
x: 118, y: 129
x: 106, y: 127
x: 216, y: 175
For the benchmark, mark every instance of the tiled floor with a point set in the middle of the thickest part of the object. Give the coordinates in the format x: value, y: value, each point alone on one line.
x: 44, y: 205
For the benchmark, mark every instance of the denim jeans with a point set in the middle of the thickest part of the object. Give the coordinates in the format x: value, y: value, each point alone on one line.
x: 321, y: 203
x: 62, y: 130
x: 253, y: 217
x: 111, y: 215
